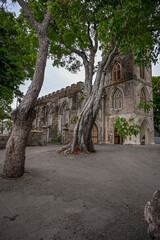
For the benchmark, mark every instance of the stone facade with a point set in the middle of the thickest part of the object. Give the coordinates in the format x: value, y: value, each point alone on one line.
x: 36, y: 138
x: 125, y: 85
x: 57, y: 112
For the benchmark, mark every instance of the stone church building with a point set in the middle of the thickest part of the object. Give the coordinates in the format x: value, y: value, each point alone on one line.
x: 125, y: 85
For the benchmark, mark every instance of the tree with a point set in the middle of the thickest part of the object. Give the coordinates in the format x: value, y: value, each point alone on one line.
x: 85, y: 26
x: 76, y: 41
x: 17, y: 58
x: 23, y: 115
x: 156, y: 101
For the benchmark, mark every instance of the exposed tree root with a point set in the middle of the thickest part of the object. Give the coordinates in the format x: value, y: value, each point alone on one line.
x: 68, y: 150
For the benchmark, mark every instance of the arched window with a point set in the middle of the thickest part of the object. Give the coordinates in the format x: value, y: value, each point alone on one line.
x: 64, y: 114
x: 142, y: 75
x: 116, y: 74
x: 117, y: 100
x: 142, y: 95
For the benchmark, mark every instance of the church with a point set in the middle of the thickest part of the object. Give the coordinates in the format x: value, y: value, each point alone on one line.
x: 125, y: 85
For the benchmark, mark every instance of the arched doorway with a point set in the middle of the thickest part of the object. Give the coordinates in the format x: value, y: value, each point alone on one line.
x: 117, y: 138
x: 143, y: 133
x: 94, y: 134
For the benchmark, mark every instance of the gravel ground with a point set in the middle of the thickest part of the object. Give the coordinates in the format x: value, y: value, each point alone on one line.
x: 99, y: 196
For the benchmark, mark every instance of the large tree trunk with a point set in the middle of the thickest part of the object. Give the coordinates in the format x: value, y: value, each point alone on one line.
x: 15, y: 149
x: 23, y: 117
x: 81, y: 140
x: 82, y: 133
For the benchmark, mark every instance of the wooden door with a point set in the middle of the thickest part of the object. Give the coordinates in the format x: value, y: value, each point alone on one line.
x: 117, y: 138
x: 94, y: 134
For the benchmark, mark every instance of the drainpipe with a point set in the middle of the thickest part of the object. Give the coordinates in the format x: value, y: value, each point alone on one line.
x: 102, y: 118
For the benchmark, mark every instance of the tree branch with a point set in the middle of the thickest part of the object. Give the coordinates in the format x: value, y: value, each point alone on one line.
x: 46, y: 20
x: 40, y: 28
x: 110, y: 57
x: 81, y: 54
x: 28, y: 15
x: 88, y: 31
x: 95, y: 39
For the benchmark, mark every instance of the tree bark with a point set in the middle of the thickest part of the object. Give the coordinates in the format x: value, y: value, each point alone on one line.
x: 24, y: 114
x: 82, y: 140
x: 15, y: 149
x: 82, y: 133
x: 23, y: 117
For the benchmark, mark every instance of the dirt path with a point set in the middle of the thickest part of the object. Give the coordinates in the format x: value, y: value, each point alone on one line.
x: 99, y: 196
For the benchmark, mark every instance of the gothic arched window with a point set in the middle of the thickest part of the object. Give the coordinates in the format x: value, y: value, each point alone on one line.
x: 142, y: 95
x: 116, y: 74
x: 142, y: 75
x: 64, y: 114
x: 117, y: 100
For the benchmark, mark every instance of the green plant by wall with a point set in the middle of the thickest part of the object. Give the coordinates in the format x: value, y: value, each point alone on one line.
x: 57, y: 139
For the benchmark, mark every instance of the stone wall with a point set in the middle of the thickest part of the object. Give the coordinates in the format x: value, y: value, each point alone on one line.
x: 36, y: 138
x: 56, y: 111
x: 3, y: 141
x: 157, y: 140
x: 64, y: 92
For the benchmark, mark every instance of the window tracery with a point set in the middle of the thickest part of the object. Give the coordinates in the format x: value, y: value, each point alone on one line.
x: 143, y: 95
x: 116, y: 74
x: 117, y: 100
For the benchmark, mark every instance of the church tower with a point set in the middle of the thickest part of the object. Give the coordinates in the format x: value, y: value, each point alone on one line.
x: 125, y: 85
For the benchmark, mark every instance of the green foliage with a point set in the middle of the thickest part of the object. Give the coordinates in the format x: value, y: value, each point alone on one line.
x: 81, y: 97
x: 58, y: 139
x: 126, y: 128
x: 17, y: 51
x: 146, y: 106
x: 131, y: 25
x: 74, y: 26
x: 18, y: 48
x: 156, y: 101
x: 6, y: 97
x: 134, y: 26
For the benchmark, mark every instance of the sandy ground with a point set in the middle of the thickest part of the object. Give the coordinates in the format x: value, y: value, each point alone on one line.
x: 99, y: 196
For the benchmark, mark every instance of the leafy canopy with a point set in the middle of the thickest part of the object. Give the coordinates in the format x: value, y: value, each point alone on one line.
x: 73, y: 28
x: 156, y: 101
x: 18, y: 48
x: 134, y: 25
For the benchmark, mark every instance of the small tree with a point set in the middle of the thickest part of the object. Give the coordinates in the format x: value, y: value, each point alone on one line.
x: 23, y: 115
x: 17, y: 59
x: 18, y: 49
